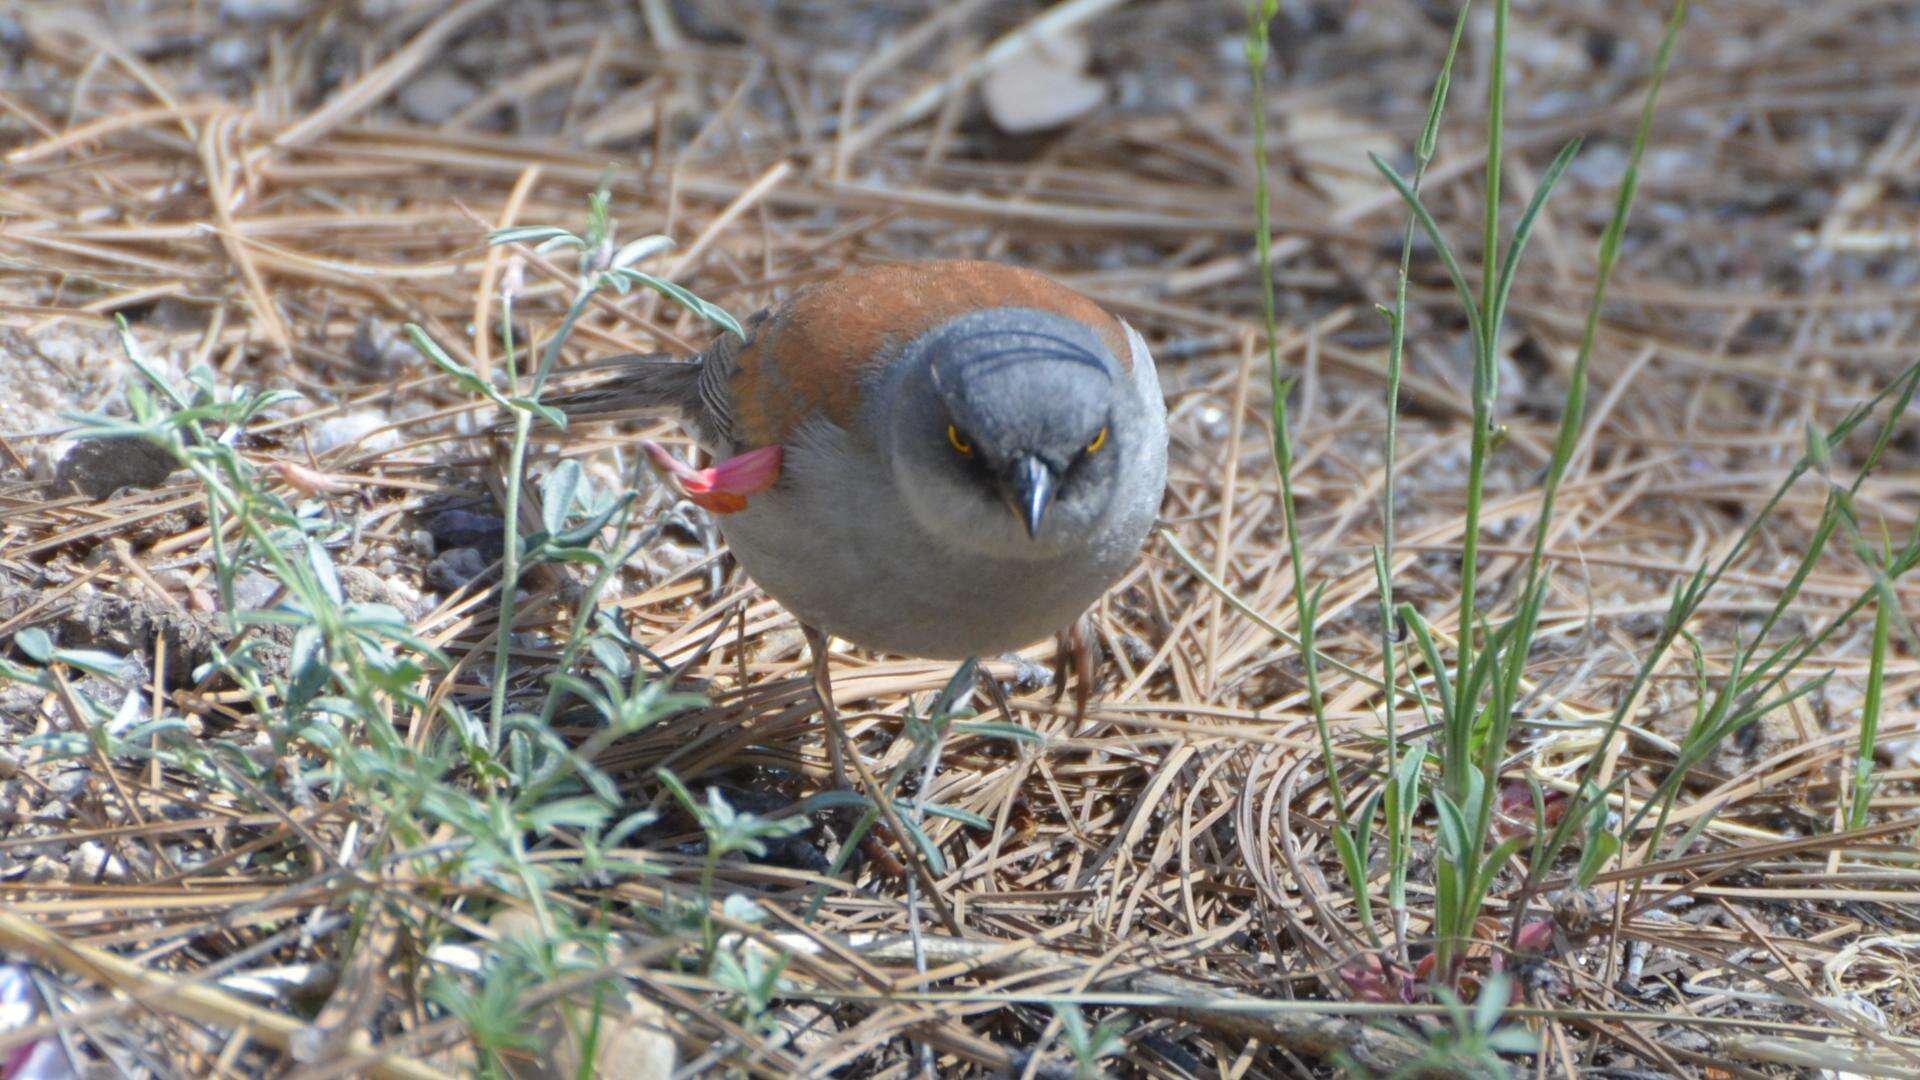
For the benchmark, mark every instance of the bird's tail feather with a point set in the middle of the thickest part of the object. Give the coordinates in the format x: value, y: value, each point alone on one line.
x: 642, y: 386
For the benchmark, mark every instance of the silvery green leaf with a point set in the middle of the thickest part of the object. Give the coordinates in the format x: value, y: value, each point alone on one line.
x: 829, y: 800
x: 545, y: 412
x: 558, y: 494
x: 1514, y: 1040
x: 524, y: 234
x: 1492, y: 1002
x: 93, y: 662
x: 629, y: 825
x: 965, y: 817
x: 309, y: 666
x: 928, y: 849
x: 36, y: 643
x: 740, y: 909
x: 132, y: 707
x: 679, y: 295
x: 324, y: 573
x: 611, y: 656
x: 994, y: 729
x: 461, y: 373
x: 580, y: 812
x: 636, y: 250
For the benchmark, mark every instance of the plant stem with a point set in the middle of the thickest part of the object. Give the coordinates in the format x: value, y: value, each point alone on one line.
x: 1258, y: 15
x: 1395, y: 801
x: 509, y: 577
x: 1870, y: 716
x: 1484, y: 387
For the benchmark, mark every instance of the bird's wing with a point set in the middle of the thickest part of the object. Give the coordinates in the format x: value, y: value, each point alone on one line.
x: 818, y: 352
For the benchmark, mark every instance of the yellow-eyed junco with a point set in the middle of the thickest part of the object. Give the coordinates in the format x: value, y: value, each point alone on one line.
x: 941, y: 459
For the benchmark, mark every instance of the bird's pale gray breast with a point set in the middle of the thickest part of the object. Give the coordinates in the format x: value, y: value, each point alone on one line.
x: 836, y: 544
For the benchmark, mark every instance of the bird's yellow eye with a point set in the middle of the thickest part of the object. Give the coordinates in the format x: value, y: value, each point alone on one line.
x: 1099, y: 441
x: 959, y: 444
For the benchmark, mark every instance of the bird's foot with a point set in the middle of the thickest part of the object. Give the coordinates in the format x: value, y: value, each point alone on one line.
x: 1073, y: 647
x: 818, y: 652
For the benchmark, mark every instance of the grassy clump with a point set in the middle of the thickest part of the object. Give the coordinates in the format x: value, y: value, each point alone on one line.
x: 499, y: 806
x: 1473, y: 688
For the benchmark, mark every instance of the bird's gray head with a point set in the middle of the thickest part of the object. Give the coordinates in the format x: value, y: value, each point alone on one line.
x: 1011, y: 430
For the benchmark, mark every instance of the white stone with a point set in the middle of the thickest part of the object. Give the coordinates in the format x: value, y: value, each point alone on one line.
x: 360, y: 430
x: 1044, y: 86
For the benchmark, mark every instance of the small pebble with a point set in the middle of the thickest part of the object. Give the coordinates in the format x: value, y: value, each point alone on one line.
x: 45, y: 870
x: 173, y: 313
x: 92, y: 860
x: 454, y: 567
x: 1043, y: 87
x: 378, y: 350
x: 68, y: 784
x: 434, y: 97
x: 363, y: 586
x: 361, y: 430
x: 234, y: 54
x: 261, y: 11
x: 252, y: 589
x: 1213, y: 422
x: 100, y: 467
x: 639, y: 1045
x: 402, y: 594
x: 464, y: 528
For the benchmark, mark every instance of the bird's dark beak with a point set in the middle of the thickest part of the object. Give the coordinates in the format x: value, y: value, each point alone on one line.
x: 1030, y: 489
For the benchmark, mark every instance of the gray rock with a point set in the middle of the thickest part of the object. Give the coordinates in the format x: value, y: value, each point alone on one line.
x: 100, y: 467
x: 263, y: 11
x: 1042, y: 87
x: 68, y: 784
x: 379, y: 351
x: 465, y: 528
x: 45, y: 869
x: 434, y: 97
x: 363, y: 585
x: 234, y: 54
x: 360, y: 430
x: 17, y: 701
x: 252, y: 589
x: 91, y: 860
x: 454, y: 567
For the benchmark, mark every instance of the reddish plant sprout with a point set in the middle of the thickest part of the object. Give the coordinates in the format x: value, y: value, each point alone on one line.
x: 1534, y: 936
x: 1514, y: 812
x: 1371, y: 979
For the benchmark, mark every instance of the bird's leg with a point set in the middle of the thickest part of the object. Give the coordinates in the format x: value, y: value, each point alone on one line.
x: 1070, y: 646
x: 823, y: 691
x: 997, y: 692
